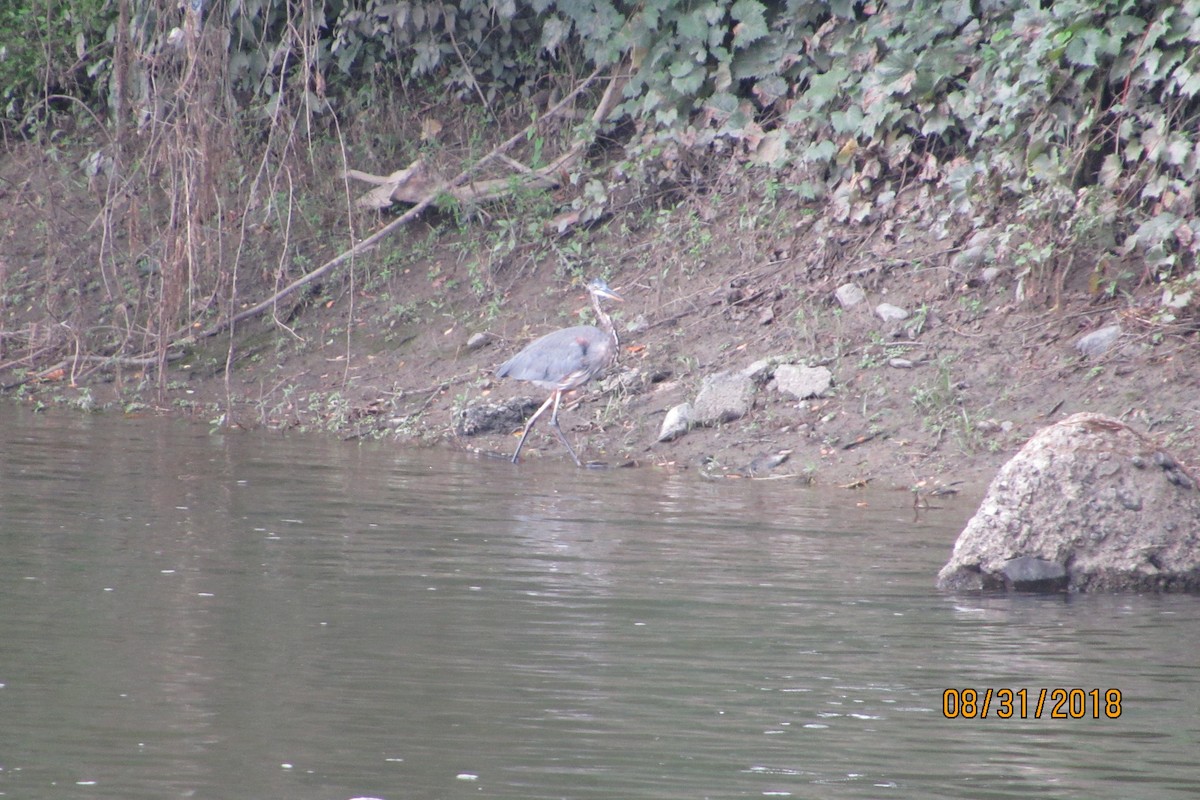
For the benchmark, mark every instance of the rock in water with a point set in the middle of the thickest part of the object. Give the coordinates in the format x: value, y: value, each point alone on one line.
x: 762, y: 465
x: 1029, y: 574
x: 1089, y: 504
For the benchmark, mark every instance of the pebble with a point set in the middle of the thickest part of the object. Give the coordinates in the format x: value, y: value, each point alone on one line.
x: 890, y: 313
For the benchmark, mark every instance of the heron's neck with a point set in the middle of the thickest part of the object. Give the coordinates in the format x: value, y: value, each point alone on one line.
x: 606, y: 323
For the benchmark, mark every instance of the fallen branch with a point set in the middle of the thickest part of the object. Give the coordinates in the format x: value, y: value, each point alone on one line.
x: 407, y: 185
x: 414, y: 182
x: 425, y: 201
x: 58, y: 371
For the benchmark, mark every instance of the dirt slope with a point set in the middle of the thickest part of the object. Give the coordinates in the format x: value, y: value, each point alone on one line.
x: 985, y: 358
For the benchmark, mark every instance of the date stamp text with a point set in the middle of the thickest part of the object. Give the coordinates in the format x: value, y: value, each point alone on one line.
x: 1057, y: 703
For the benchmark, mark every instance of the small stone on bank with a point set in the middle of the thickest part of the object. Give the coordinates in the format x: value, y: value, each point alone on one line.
x: 1098, y: 342
x: 849, y: 295
x: 723, y: 397
x: 763, y: 370
x: 677, y: 422
x: 801, y: 382
x: 890, y: 313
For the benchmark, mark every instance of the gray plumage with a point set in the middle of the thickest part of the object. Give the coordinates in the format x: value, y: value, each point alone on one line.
x: 565, y: 360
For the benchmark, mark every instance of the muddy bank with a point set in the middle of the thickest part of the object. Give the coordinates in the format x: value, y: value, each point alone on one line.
x: 945, y: 350
x: 940, y: 386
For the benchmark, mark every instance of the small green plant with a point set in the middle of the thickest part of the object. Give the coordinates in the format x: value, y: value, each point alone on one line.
x: 974, y: 306
x: 84, y: 401
x: 920, y: 317
x: 939, y: 404
x: 493, y: 308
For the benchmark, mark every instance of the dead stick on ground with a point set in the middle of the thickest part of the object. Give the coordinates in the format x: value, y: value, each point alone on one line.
x: 408, y: 216
x: 74, y: 362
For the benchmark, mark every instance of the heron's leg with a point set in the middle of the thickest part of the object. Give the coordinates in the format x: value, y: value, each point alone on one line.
x: 558, y: 430
x: 533, y: 419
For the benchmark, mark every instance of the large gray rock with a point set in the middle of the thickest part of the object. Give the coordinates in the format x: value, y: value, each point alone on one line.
x: 723, y: 397
x: 1088, y: 504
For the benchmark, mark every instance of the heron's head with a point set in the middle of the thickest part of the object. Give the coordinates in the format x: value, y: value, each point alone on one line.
x: 599, y: 287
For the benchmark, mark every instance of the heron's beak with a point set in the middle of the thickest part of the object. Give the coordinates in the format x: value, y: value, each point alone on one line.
x: 610, y: 295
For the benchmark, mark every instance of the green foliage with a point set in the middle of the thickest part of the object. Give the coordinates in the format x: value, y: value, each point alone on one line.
x: 51, y: 47
x: 1085, y: 112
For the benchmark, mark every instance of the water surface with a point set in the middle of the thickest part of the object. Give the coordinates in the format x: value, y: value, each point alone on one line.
x: 188, y: 614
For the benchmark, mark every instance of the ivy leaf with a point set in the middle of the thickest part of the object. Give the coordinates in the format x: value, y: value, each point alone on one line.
x: 822, y: 151
x: 1187, y: 81
x: 824, y: 88
x: 936, y: 122
x: 759, y: 59
x: 772, y: 150
x: 1177, y: 150
x: 681, y: 69
x: 751, y: 22
x: 1081, y: 50
x: 957, y: 13
x: 770, y: 89
x: 723, y: 103
x: 692, y: 27
x: 554, y: 31
x: 1110, y: 171
x: 848, y: 121
x: 1123, y: 25
x: 842, y: 8
x: 686, y: 77
x: 505, y: 9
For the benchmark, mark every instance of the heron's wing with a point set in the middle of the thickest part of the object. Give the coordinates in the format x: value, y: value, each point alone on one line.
x: 563, y: 359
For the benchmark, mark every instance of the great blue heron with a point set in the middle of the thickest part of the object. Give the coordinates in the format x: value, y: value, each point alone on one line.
x: 565, y: 360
